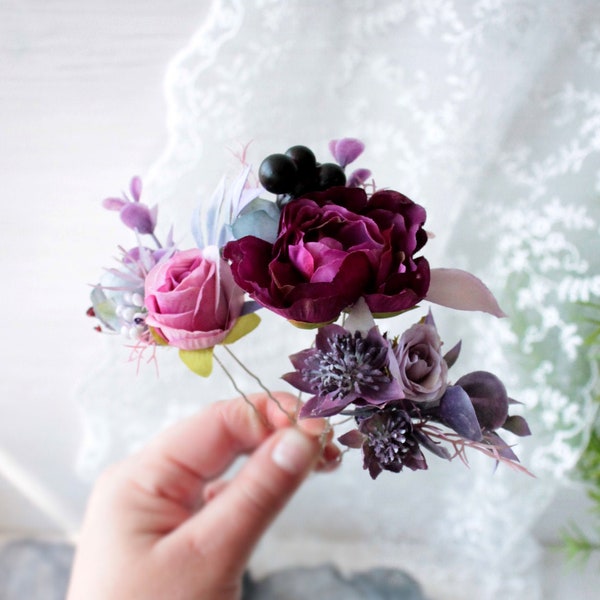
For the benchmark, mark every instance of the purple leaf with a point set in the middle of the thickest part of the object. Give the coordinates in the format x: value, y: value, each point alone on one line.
x: 352, y: 439
x: 452, y: 355
x: 358, y: 177
x: 113, y: 203
x: 517, y: 425
x: 136, y: 188
x: 346, y: 150
x: 461, y: 290
x: 504, y: 450
x: 434, y: 447
x: 428, y: 319
x: 457, y: 412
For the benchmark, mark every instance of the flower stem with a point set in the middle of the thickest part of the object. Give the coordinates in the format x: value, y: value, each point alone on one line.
x: 158, y: 244
x: 261, y: 384
x: 241, y: 393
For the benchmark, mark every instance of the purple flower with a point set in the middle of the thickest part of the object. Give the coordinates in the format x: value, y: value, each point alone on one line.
x: 423, y: 370
x: 344, y: 368
x: 333, y: 248
x: 133, y: 213
x: 389, y: 442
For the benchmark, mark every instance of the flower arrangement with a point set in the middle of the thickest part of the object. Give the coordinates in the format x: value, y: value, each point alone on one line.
x: 331, y: 252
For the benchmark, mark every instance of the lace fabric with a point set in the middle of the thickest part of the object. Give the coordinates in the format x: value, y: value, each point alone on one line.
x: 486, y: 112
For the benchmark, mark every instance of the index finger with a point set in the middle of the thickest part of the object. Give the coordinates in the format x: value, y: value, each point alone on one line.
x: 199, y: 449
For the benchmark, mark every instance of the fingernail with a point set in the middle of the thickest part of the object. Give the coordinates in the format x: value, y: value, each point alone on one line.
x: 294, y: 452
x: 330, y: 460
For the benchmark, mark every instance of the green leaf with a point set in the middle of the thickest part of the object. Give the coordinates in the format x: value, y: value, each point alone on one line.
x: 302, y: 325
x: 244, y: 325
x: 198, y: 361
x: 160, y: 341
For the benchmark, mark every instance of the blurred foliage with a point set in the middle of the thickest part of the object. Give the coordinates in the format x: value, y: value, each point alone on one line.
x: 580, y: 545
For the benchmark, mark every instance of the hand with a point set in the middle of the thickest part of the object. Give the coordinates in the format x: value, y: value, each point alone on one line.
x: 161, y: 525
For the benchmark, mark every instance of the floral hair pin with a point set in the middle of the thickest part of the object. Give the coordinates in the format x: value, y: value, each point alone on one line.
x: 327, y: 252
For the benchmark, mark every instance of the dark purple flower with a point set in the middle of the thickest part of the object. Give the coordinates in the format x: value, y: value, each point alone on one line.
x: 332, y: 248
x: 423, y: 370
x: 342, y: 368
x: 389, y: 442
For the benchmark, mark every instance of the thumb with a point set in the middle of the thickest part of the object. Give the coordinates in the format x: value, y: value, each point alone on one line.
x: 228, y: 528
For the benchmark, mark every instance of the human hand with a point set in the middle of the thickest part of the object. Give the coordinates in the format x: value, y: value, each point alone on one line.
x: 162, y: 525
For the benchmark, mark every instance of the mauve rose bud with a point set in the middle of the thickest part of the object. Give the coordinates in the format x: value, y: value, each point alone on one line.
x: 423, y: 371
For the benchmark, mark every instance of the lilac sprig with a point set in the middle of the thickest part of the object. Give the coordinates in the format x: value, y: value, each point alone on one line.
x: 118, y: 300
x: 135, y: 214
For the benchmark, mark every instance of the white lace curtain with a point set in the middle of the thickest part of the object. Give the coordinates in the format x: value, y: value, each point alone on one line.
x: 486, y: 112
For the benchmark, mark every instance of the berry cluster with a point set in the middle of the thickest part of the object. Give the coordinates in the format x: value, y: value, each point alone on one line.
x: 297, y: 172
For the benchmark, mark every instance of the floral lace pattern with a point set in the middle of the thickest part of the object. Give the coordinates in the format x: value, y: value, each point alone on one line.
x: 487, y: 112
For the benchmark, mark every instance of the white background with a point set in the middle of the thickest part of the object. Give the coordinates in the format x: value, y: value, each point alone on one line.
x: 81, y: 111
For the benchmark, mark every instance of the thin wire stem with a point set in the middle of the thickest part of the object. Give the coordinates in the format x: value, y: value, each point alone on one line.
x: 241, y: 393
x: 261, y: 384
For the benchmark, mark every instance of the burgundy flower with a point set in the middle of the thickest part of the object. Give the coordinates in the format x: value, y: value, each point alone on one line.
x: 332, y: 248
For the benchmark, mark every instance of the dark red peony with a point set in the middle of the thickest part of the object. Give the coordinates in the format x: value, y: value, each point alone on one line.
x: 332, y: 248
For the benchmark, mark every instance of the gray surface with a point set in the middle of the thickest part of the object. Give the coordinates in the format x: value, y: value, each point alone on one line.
x: 35, y: 570
x: 327, y: 583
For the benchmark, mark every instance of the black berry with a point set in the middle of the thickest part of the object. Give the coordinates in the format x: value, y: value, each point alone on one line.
x: 278, y: 173
x: 330, y: 175
x: 304, y: 158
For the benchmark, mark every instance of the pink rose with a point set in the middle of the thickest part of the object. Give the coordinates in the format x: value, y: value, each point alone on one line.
x: 192, y: 300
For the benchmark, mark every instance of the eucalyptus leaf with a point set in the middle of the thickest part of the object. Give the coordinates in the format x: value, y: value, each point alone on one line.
x: 259, y: 218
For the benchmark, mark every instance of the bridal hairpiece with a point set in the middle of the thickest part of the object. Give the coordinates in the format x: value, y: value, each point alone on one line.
x: 329, y: 251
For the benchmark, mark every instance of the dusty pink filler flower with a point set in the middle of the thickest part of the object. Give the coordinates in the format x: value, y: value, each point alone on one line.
x: 192, y: 300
